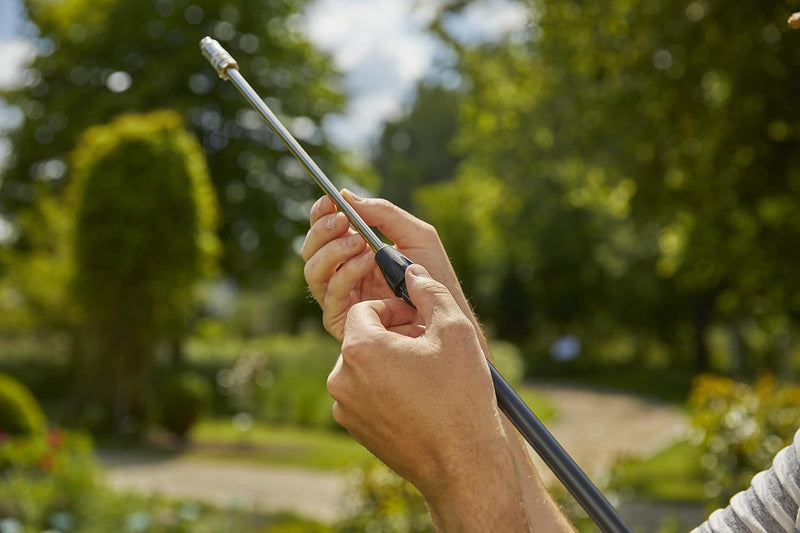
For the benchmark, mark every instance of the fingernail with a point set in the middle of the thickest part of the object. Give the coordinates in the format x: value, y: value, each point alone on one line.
x: 418, y: 271
x: 331, y: 222
x: 352, y: 240
x: 353, y: 195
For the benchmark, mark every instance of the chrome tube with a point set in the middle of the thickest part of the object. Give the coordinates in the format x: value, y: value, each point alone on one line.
x: 228, y: 69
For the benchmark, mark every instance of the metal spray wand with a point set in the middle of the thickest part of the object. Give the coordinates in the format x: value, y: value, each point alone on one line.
x: 393, y: 264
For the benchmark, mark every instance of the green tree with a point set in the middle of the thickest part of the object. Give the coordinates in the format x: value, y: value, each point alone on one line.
x: 144, y: 234
x: 415, y: 150
x: 100, y: 58
x: 653, y: 148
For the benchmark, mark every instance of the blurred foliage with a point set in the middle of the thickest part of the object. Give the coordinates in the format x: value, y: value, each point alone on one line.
x: 145, y: 220
x: 46, y: 476
x: 640, y: 165
x: 673, y: 474
x: 144, y: 216
x: 50, y: 483
x: 740, y: 428
x: 20, y: 413
x: 413, y: 151
x: 242, y: 438
x: 508, y: 360
x: 386, y: 503
x: 282, y: 379
x: 103, y: 58
x: 183, y: 398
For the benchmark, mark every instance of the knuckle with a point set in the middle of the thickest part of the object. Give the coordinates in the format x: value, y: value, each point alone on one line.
x: 383, y: 203
x: 458, y: 326
x: 355, y: 310
x: 352, y: 350
x: 338, y: 414
x: 429, y: 230
x: 330, y: 325
x: 332, y: 384
x: 433, y: 287
x: 309, y: 269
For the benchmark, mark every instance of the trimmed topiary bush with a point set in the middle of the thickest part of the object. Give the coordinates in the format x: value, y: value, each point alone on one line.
x: 20, y: 413
x: 184, y: 398
x: 144, y: 236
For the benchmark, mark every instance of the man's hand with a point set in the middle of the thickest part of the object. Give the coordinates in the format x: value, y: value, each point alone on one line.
x: 372, y: 393
x: 413, y: 387
x: 340, y: 267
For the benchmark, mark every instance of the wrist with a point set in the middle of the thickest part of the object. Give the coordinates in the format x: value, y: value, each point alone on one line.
x: 478, y: 493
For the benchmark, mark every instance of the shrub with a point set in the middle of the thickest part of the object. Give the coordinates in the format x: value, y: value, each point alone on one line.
x: 46, y: 476
x: 49, y: 483
x: 385, y: 502
x: 282, y: 379
x: 508, y: 361
x: 144, y: 235
x: 20, y: 413
x: 184, y: 398
x: 740, y: 428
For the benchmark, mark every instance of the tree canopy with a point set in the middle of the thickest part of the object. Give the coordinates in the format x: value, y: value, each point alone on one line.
x: 648, y: 157
x: 100, y: 58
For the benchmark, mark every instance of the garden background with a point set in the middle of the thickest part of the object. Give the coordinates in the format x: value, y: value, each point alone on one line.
x: 617, y: 184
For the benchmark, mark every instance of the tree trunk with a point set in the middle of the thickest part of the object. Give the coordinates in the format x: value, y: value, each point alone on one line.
x: 737, y: 350
x: 703, y: 306
x: 176, y: 352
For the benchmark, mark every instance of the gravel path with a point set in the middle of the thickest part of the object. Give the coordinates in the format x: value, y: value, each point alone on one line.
x: 595, y: 427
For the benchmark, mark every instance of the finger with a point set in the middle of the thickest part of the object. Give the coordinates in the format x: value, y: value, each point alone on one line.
x: 323, y: 206
x: 339, y: 293
x: 399, y: 225
x: 429, y: 296
x: 327, y: 228
x: 377, y: 316
x: 321, y: 265
x: 408, y: 330
x: 347, y: 278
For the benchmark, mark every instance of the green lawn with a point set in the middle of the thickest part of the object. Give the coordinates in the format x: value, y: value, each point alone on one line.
x: 671, y: 475
x: 541, y: 406
x: 276, y: 445
x: 302, y: 447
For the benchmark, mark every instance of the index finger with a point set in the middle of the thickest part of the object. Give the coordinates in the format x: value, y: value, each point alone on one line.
x: 321, y: 207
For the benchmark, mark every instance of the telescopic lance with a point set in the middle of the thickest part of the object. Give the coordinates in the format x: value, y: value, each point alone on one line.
x: 393, y: 265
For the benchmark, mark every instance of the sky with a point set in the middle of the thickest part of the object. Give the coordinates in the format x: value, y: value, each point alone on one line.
x: 379, y: 45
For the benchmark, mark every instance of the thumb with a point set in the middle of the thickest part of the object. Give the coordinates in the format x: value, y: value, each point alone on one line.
x: 429, y: 296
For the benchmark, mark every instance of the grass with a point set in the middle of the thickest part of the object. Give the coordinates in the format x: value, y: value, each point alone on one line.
x: 276, y: 445
x: 300, y: 446
x: 673, y: 474
x: 541, y: 406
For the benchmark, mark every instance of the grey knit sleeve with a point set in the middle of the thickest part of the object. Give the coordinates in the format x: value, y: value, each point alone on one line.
x: 771, y: 503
